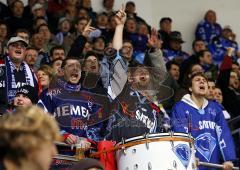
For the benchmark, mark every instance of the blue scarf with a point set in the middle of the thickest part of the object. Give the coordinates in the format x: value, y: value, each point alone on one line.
x: 11, y: 85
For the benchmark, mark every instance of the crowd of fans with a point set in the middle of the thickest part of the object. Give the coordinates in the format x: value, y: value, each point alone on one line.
x: 51, y: 34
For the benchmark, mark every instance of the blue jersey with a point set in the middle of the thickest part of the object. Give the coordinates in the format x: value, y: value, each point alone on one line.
x: 172, y: 54
x: 219, y: 46
x: 206, y: 31
x: 77, y: 110
x: 213, y: 140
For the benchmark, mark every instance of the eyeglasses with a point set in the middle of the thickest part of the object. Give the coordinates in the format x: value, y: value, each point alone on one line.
x: 21, y: 45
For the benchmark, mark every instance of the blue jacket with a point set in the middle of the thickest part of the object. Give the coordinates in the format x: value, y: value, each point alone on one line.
x: 219, y: 46
x: 213, y: 139
x: 206, y: 31
x: 171, y: 54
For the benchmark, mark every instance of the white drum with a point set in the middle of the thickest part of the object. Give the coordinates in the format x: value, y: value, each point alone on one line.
x: 157, y: 152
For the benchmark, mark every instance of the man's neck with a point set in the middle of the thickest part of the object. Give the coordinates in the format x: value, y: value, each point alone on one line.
x: 198, y: 100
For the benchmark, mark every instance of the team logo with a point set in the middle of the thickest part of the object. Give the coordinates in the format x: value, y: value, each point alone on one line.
x: 205, y: 145
x: 183, y: 152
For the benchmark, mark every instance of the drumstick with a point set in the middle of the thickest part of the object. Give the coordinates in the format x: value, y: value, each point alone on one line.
x: 211, y: 165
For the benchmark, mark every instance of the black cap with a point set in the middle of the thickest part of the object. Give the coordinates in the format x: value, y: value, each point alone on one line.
x: 30, y: 92
x: 87, y: 163
x: 176, y: 36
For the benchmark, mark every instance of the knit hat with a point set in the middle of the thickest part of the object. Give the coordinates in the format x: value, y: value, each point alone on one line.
x: 85, y: 164
x: 30, y: 92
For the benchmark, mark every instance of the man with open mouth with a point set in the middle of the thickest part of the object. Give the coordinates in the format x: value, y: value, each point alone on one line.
x: 204, y: 120
x: 14, y: 72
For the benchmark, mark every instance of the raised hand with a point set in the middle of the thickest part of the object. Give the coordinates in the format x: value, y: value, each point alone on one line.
x: 121, y: 16
x: 88, y: 29
x: 153, y: 39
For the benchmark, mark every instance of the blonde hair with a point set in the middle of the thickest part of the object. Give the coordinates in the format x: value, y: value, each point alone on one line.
x: 24, y: 130
x: 48, y: 70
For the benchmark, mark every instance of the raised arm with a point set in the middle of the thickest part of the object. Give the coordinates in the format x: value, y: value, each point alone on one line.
x: 120, y: 19
x: 79, y: 43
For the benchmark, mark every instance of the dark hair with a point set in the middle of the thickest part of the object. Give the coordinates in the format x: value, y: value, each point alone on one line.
x: 31, y: 48
x: 58, y: 47
x: 12, y: 5
x: 195, y: 41
x: 69, y: 58
x: 56, y: 59
x: 42, y: 25
x: 165, y: 19
x: 130, y: 3
x: 201, y: 53
x: 189, y: 84
x: 170, y: 63
x: 22, y: 30
x: 80, y: 19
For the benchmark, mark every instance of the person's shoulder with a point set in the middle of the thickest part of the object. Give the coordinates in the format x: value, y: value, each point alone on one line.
x: 215, y: 104
x: 201, y: 23
x: 179, y: 104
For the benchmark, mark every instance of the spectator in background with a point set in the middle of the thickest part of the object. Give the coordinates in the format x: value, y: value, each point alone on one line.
x: 15, y: 72
x: 3, y: 33
x: 38, y: 10
x: 221, y: 43
x: 206, y: 61
x: 37, y: 22
x: 87, y: 4
x: 45, y: 74
x: 38, y: 43
x: 27, y: 139
x: 25, y: 96
x: 208, y: 28
x: 197, y: 46
x: 236, y: 68
x: 131, y: 12
x: 165, y: 25
x: 108, y: 7
x: 55, y: 52
x: 24, y: 34
x: 228, y: 82
x: 71, y: 10
x: 79, y: 28
x: 173, y: 69
x: 30, y: 57
x: 83, y: 13
x: 102, y: 25
x: 56, y: 64
x: 64, y: 26
x: 219, y: 98
x: 211, y: 89
x: 17, y: 20
x: 130, y: 27
x: 47, y: 36
x: 175, y: 48
x: 99, y: 45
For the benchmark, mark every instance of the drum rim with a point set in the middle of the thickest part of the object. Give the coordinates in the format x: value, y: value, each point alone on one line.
x: 155, y: 135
